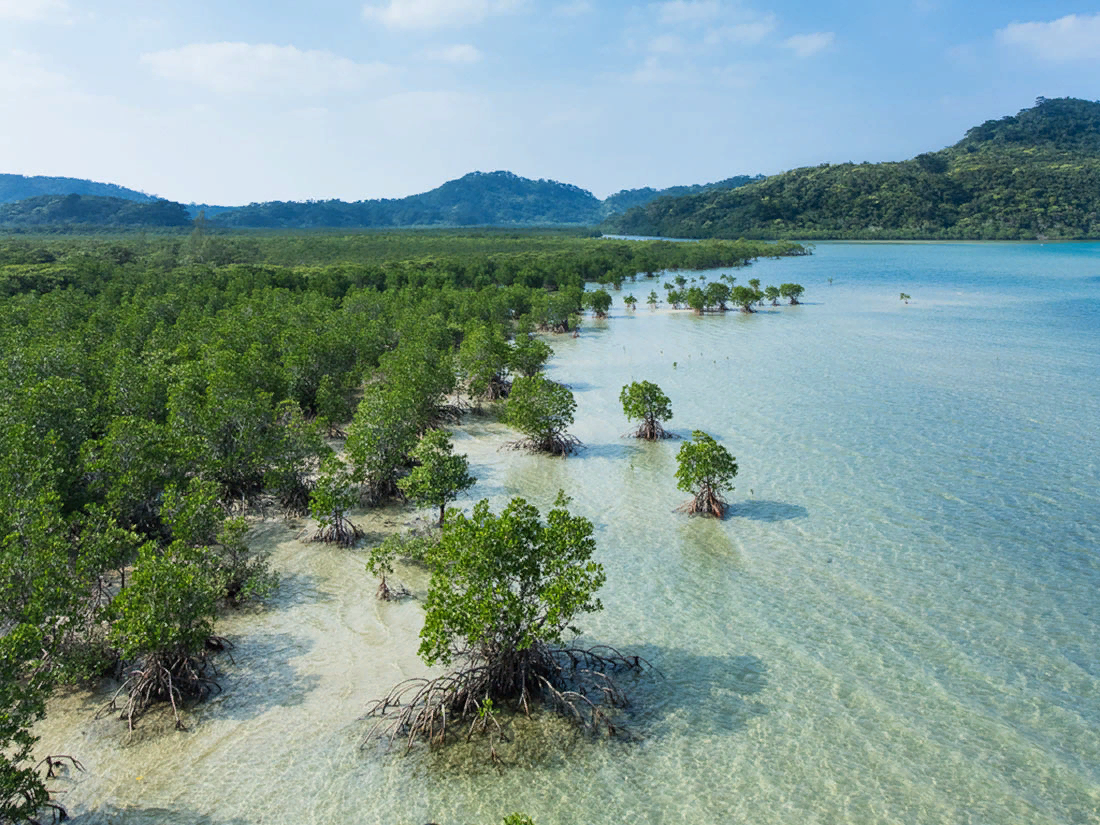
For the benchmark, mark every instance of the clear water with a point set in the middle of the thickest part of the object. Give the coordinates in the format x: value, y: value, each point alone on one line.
x: 899, y: 622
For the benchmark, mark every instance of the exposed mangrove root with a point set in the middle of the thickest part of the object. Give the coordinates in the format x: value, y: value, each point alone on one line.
x: 54, y: 764
x: 651, y: 431
x: 571, y: 681
x: 294, y: 499
x: 706, y: 502
x: 558, y: 444
x: 176, y: 678
x: 340, y: 530
x: 391, y: 594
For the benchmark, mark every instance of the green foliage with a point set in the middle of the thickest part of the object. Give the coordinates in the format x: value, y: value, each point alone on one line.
x: 528, y: 355
x: 706, y: 469
x: 507, y: 582
x: 645, y: 401
x: 169, y: 605
x: 332, y: 497
x: 695, y: 298
x: 599, y: 301
x: 482, y: 359
x: 439, y: 476
x: 23, y: 691
x: 744, y: 297
x: 791, y: 292
x: 629, y: 198
x: 542, y: 409
x: 92, y: 210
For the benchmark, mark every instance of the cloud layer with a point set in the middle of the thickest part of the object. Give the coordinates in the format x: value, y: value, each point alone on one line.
x: 1073, y: 37
x: 434, y: 14
x: 262, y: 69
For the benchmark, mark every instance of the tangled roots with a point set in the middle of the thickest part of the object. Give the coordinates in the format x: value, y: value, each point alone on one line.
x: 571, y: 681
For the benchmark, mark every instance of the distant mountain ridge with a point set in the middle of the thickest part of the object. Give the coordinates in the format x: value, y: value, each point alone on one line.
x: 478, y: 198
x: 20, y: 187
x: 48, y: 211
x: 1035, y: 174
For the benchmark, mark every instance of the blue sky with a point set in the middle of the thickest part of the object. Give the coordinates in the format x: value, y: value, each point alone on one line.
x: 230, y: 103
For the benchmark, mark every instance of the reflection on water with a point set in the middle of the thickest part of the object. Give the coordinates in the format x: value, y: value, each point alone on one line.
x: 896, y: 622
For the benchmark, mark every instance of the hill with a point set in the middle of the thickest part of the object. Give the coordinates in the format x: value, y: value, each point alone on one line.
x: 626, y: 199
x: 1032, y: 175
x: 46, y: 211
x: 496, y: 198
x: 20, y: 187
x: 476, y: 199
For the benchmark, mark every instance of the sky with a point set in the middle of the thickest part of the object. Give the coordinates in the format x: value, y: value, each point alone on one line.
x: 238, y: 102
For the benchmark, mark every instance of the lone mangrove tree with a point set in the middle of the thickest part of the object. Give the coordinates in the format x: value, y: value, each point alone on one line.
x: 505, y: 592
x: 705, y: 469
x: 644, y: 400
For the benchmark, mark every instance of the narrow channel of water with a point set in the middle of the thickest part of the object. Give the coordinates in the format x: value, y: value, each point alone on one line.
x: 898, y: 622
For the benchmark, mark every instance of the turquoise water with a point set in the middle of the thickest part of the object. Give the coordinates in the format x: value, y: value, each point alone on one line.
x: 898, y: 622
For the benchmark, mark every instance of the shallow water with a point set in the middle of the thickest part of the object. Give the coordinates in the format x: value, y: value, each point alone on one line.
x: 897, y: 624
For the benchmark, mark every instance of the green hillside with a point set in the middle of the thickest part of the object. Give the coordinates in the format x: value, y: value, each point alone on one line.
x: 476, y: 199
x: 498, y: 198
x: 1032, y: 175
x: 91, y: 211
x: 20, y: 187
x: 626, y: 199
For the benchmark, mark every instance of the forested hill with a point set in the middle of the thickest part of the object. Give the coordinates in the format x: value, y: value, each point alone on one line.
x: 1032, y: 175
x: 45, y: 211
x: 20, y: 187
x: 629, y: 198
x: 494, y: 198
x: 477, y: 198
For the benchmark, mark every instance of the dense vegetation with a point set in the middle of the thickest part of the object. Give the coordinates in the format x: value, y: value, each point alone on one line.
x: 20, y: 187
x: 476, y: 199
x: 92, y: 211
x: 152, y: 389
x: 626, y: 199
x: 1033, y: 175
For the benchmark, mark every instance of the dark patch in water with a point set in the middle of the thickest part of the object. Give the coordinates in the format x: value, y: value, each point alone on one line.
x: 764, y: 510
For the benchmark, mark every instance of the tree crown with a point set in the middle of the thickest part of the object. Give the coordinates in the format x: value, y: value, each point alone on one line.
x: 645, y: 400
x: 507, y: 582
x: 704, y: 464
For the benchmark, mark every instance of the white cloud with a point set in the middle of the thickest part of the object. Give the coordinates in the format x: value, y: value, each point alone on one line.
x: 687, y: 11
x: 1073, y: 37
x: 746, y: 34
x: 807, y: 45
x: 35, y: 11
x: 666, y: 44
x: 24, y: 73
x: 244, y: 68
x: 434, y: 14
x: 652, y: 72
x: 577, y: 8
x: 462, y: 53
